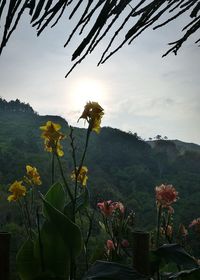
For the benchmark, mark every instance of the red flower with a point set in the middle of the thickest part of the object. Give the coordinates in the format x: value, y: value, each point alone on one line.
x: 125, y: 243
x: 166, y: 195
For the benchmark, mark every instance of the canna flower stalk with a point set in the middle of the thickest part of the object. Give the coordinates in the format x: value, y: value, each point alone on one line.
x: 166, y: 195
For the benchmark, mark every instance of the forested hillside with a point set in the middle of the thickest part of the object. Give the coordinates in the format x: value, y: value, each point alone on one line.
x: 121, y: 165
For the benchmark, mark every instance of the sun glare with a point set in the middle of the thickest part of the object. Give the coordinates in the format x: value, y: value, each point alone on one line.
x: 86, y: 90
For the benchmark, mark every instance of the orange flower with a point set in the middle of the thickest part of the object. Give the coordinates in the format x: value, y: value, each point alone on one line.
x: 166, y: 195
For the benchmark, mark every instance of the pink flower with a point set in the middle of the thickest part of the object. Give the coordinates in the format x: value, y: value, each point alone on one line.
x: 170, y: 210
x: 125, y: 243
x: 106, y: 207
x: 166, y: 195
x: 195, y: 223
x: 120, y: 206
x: 182, y: 230
x: 110, y: 245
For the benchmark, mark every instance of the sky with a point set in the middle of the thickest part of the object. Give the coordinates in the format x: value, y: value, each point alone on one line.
x: 139, y: 90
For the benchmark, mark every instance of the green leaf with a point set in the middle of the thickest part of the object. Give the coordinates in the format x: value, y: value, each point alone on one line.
x: 175, y: 253
x: 55, y: 254
x: 56, y: 197
x: 192, y: 274
x: 27, y: 264
x: 102, y: 270
x: 69, y: 231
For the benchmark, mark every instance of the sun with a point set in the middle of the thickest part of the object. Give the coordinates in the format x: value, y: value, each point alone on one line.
x: 85, y: 90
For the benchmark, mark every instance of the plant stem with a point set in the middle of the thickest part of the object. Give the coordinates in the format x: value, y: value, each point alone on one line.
x: 53, y: 168
x: 23, y: 217
x: 28, y: 217
x: 158, y: 225
x: 64, y: 180
x: 40, y: 242
x: 75, y: 171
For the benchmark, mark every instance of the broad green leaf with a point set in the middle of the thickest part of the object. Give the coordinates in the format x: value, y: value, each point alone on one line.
x: 28, y: 265
x: 102, y: 270
x: 69, y: 231
x: 55, y: 254
x: 192, y: 274
x: 175, y: 253
x: 56, y: 197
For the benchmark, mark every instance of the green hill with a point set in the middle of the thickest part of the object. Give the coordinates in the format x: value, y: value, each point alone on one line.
x: 121, y: 165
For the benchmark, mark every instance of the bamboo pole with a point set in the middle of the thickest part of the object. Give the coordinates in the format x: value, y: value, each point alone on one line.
x: 141, y: 251
x: 4, y: 255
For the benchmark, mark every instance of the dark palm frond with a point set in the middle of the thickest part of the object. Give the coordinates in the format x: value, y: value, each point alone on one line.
x: 101, y: 17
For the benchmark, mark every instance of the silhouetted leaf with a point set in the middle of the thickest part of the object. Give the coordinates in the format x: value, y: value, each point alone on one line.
x: 69, y: 231
x: 192, y: 274
x: 102, y: 270
x: 175, y: 253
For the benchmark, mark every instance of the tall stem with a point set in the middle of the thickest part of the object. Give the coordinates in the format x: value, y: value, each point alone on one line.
x: 40, y: 242
x: 28, y: 217
x: 53, y: 168
x: 64, y: 180
x: 158, y: 225
x: 23, y: 217
x: 75, y: 171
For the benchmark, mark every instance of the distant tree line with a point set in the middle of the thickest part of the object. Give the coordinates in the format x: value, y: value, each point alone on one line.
x: 15, y: 106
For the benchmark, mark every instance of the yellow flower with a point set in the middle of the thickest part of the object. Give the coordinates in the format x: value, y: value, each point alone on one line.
x: 82, y: 176
x: 17, y: 191
x: 33, y: 175
x: 93, y: 113
x: 52, y: 138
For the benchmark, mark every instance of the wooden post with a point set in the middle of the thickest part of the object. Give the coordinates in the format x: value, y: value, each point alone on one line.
x: 141, y: 252
x: 4, y: 255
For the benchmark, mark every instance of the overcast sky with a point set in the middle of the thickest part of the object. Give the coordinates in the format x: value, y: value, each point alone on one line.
x: 139, y: 90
